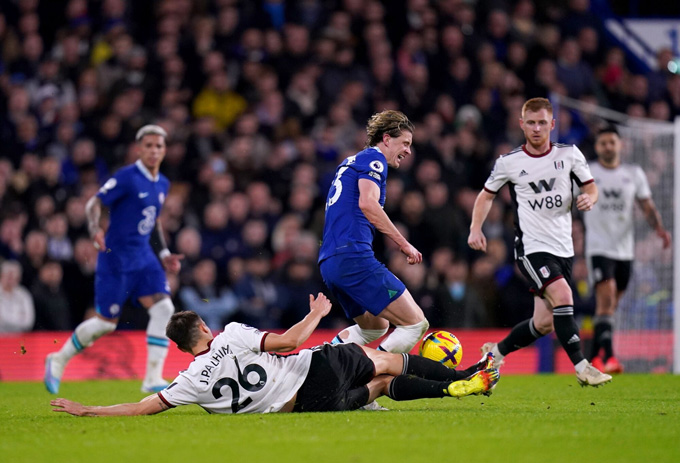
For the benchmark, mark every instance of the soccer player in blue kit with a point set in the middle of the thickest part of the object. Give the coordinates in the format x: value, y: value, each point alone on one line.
x: 368, y: 292
x: 127, y: 267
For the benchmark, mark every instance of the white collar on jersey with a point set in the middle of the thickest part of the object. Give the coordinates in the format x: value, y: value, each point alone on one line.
x: 375, y: 147
x: 145, y: 171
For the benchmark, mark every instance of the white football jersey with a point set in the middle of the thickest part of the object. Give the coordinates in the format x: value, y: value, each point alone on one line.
x: 235, y: 376
x: 541, y: 191
x: 609, y: 226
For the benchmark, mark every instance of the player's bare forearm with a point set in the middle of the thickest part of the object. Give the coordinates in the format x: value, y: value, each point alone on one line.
x: 93, y: 211
x: 377, y: 216
x: 171, y: 262
x: 483, y: 203
x: 158, y: 238
x: 654, y: 220
x: 588, y: 197
x: 369, y: 203
x: 149, y: 405
x: 302, y: 330
x: 651, y: 213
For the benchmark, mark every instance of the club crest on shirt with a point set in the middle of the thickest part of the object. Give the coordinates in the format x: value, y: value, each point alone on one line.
x: 559, y: 165
x: 545, y: 271
x: 377, y: 166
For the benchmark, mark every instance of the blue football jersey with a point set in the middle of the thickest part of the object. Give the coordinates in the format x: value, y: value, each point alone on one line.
x: 347, y: 230
x: 134, y: 199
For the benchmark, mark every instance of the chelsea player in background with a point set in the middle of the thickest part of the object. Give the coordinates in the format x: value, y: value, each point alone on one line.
x: 368, y: 292
x: 126, y: 264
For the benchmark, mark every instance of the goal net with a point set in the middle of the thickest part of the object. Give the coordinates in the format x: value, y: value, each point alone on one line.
x: 644, y: 321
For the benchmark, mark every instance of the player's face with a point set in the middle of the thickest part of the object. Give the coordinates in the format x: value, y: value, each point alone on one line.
x: 608, y: 148
x: 397, y: 148
x: 152, y: 151
x: 536, y: 126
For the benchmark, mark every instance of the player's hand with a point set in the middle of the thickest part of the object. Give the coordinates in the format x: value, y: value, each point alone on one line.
x: 320, y: 305
x: 172, y: 263
x: 665, y: 237
x: 413, y: 256
x: 477, y: 240
x: 68, y: 406
x: 584, y: 202
x: 98, y: 240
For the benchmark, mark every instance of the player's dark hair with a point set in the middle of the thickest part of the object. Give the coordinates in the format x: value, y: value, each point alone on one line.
x: 388, y: 122
x: 608, y: 129
x: 183, y: 330
x: 536, y: 104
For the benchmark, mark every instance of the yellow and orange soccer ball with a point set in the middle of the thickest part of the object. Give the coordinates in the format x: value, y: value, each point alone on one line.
x: 442, y: 347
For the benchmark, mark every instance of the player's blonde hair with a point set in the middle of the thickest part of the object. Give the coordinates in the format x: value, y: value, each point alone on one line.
x: 151, y: 129
x: 536, y: 104
x: 389, y: 122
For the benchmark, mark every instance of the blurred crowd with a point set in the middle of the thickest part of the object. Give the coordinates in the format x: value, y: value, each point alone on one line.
x: 262, y: 100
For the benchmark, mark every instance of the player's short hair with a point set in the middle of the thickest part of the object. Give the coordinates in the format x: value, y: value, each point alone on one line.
x: 608, y: 129
x: 151, y: 129
x: 183, y: 330
x: 536, y: 104
x: 389, y: 122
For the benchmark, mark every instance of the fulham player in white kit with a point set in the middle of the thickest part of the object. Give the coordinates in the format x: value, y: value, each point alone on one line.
x: 539, y: 175
x: 239, y: 371
x: 609, y: 238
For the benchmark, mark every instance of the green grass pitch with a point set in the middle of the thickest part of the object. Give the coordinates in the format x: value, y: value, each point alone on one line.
x: 540, y: 418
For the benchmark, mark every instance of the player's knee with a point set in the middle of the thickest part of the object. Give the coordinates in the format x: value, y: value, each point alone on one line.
x: 371, y: 335
x: 162, y: 309
x: 543, y: 324
x: 404, y: 337
x: 159, y: 316
x: 92, y: 329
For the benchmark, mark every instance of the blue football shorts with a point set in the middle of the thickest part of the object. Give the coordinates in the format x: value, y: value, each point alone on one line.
x: 113, y: 289
x: 360, y: 283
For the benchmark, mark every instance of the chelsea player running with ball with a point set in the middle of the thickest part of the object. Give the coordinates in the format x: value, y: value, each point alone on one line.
x: 126, y: 264
x: 368, y: 292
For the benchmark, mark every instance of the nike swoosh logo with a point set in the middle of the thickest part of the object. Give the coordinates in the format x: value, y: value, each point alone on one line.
x: 143, y: 195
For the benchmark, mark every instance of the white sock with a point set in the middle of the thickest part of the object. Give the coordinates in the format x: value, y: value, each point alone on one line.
x: 404, y: 337
x: 580, y: 366
x: 156, y: 341
x: 84, y: 335
x: 358, y: 336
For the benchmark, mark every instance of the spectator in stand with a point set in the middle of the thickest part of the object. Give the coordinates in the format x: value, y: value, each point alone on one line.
x: 215, y: 305
x: 34, y: 256
x: 59, y: 246
x: 17, y: 313
x: 572, y: 71
x: 457, y: 303
x: 257, y: 293
x: 78, y: 281
x: 52, y: 309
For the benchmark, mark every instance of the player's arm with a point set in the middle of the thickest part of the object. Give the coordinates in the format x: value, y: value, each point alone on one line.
x: 93, y: 211
x: 171, y: 262
x: 654, y: 220
x: 588, y: 197
x: 300, y: 332
x: 476, y: 239
x: 369, y: 203
x: 149, y: 405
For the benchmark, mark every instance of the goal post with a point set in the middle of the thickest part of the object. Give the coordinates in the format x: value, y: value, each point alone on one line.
x: 647, y: 334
